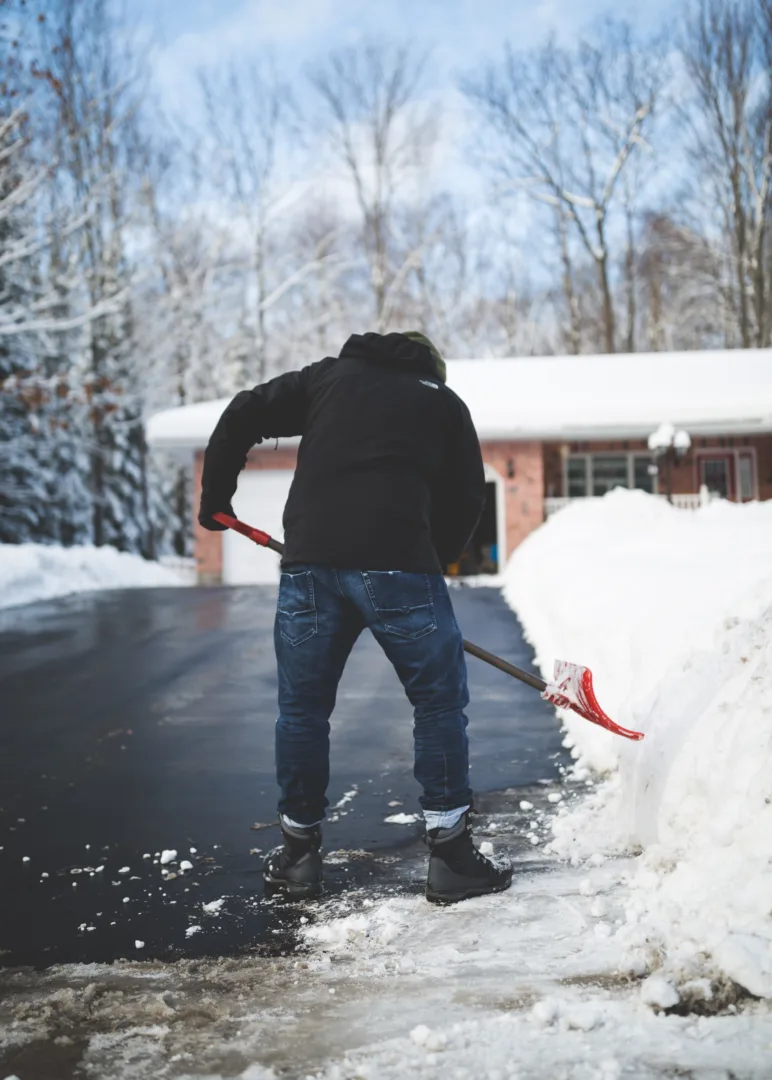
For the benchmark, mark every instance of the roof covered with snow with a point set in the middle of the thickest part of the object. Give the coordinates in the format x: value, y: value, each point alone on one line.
x: 575, y: 397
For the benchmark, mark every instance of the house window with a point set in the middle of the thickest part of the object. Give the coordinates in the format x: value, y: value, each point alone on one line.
x: 746, y: 485
x: 608, y: 473
x: 595, y: 474
x: 577, y: 472
x: 716, y: 475
x: 729, y: 474
x: 643, y: 476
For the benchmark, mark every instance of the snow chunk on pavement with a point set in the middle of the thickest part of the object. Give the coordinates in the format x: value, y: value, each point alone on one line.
x: 545, y: 1012
x: 659, y: 992
x: 346, y: 798
x: 430, y: 1040
x: 214, y: 906
x: 381, y: 926
x: 191, y: 930
x: 168, y: 856
x: 402, y: 819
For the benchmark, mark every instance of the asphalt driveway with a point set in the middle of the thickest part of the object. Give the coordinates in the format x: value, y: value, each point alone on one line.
x: 138, y: 722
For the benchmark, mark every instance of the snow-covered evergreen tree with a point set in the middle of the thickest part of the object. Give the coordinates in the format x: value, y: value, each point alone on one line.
x: 42, y: 494
x: 95, y: 113
x: 22, y: 488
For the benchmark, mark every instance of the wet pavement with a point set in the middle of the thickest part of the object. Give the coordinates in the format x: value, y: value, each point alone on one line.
x: 141, y: 721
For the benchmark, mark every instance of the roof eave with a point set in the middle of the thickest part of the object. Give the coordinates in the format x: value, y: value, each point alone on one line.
x: 609, y: 432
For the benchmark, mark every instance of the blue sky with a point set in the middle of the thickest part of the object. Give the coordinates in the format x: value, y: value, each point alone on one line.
x: 186, y: 34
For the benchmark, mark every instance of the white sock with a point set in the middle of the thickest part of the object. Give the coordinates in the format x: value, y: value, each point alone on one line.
x: 296, y: 824
x: 443, y: 819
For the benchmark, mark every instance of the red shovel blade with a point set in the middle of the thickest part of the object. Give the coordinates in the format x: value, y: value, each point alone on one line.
x: 572, y: 689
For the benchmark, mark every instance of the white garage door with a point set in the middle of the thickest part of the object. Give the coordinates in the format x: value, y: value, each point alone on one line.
x: 259, y: 501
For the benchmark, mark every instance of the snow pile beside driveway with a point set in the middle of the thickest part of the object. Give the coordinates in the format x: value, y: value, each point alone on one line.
x: 672, y: 611
x: 30, y: 572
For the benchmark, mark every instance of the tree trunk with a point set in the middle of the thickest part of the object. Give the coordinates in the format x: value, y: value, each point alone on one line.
x: 742, y: 259
x: 379, y: 270
x: 181, y: 512
x: 630, y: 280
x: 574, y: 315
x: 97, y: 490
x: 97, y: 450
x: 608, y: 305
x: 605, y: 287
x: 655, y: 307
x: 260, y: 338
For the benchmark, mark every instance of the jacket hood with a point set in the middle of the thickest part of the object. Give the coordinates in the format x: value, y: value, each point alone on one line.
x: 400, y: 350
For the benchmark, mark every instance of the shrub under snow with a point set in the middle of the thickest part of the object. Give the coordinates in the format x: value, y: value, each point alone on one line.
x: 672, y: 611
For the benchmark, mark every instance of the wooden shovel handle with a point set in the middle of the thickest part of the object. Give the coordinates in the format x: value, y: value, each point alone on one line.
x: 505, y: 666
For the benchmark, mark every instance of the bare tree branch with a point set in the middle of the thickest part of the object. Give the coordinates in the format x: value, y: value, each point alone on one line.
x: 568, y: 123
x: 382, y: 135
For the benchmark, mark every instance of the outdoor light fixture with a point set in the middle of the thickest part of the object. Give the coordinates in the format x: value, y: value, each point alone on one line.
x: 510, y: 469
x: 669, y: 445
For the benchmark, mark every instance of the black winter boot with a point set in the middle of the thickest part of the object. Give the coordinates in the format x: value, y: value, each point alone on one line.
x: 295, y: 869
x: 457, y: 870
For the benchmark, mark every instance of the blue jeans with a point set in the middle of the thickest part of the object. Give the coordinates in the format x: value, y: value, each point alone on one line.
x: 320, y: 614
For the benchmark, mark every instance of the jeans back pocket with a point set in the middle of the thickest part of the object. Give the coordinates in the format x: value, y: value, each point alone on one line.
x: 296, y: 609
x: 402, y: 601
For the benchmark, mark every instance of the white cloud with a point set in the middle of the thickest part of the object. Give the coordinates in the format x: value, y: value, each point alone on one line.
x: 254, y: 27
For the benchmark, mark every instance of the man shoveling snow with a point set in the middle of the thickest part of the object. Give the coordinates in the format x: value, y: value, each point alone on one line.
x: 389, y: 487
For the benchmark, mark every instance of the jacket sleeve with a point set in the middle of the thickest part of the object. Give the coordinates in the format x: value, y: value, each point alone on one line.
x: 458, y: 498
x: 274, y: 409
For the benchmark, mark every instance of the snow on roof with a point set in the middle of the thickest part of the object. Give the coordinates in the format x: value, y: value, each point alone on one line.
x: 723, y: 392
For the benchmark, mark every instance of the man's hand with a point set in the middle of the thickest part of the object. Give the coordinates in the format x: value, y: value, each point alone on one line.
x: 206, y: 520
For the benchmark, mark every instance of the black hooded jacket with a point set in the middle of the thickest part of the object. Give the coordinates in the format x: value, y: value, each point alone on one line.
x: 389, y: 473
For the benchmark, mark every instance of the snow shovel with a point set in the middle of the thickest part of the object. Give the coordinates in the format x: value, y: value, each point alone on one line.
x: 571, y: 687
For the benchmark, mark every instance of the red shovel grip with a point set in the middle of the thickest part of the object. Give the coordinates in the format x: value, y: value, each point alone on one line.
x: 257, y: 535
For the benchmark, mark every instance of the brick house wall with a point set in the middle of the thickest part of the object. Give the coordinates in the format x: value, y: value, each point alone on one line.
x: 521, y: 467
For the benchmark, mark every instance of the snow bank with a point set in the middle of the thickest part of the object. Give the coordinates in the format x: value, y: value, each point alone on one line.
x: 672, y: 610
x: 30, y: 572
